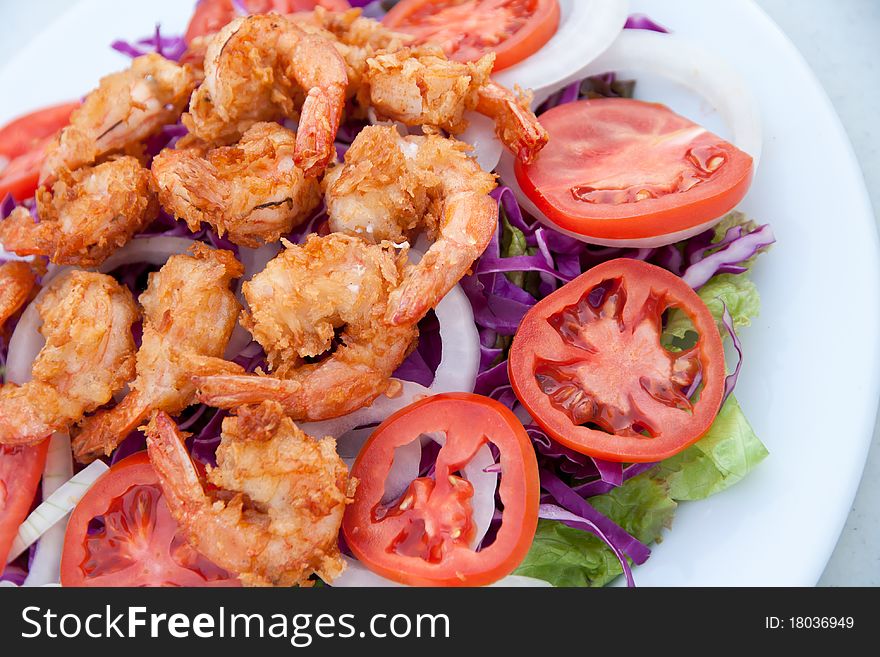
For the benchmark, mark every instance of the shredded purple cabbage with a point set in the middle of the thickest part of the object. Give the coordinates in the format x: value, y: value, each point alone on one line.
x: 730, y: 381
x: 643, y: 22
x: 170, y: 47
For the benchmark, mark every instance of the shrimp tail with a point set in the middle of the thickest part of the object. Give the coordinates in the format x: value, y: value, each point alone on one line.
x: 234, y: 391
x: 101, y: 433
x: 317, y: 130
x: 170, y: 458
x: 515, y: 124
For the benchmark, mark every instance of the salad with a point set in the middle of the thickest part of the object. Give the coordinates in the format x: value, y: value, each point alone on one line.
x: 412, y: 293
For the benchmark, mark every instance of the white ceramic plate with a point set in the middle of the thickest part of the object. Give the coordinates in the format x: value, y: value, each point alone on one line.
x: 812, y: 377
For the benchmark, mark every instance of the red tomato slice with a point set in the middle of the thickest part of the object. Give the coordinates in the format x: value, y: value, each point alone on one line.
x: 122, y: 534
x: 20, y: 472
x: 23, y: 134
x: 23, y: 142
x: 588, y: 364
x: 423, y: 539
x: 617, y: 168
x: 468, y: 29
x: 211, y: 15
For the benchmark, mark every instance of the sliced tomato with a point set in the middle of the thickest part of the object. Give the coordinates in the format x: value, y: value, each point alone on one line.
x: 122, y: 534
x: 468, y: 29
x: 424, y: 538
x: 23, y: 143
x: 211, y: 15
x: 20, y: 472
x: 23, y: 134
x: 588, y: 364
x: 618, y: 168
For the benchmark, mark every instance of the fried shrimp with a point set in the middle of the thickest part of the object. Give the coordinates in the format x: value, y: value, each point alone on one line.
x: 275, y: 516
x: 17, y: 281
x: 355, y: 37
x: 189, y: 314
x: 89, y: 355
x: 262, y: 68
x: 335, y: 291
x: 87, y: 215
x: 126, y: 108
x: 389, y: 186
x: 252, y: 191
x: 421, y: 87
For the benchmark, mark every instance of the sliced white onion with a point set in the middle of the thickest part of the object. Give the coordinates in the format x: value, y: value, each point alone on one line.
x: 637, y: 53
x: 55, y: 507
x: 152, y: 250
x: 480, y: 134
x: 253, y: 261
x: 381, y: 408
x: 357, y: 574
x: 46, y: 565
x: 460, y: 351
x: 586, y: 29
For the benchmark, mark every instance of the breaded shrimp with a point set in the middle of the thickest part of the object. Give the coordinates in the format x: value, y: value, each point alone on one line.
x: 391, y: 185
x: 189, y: 314
x: 276, y: 516
x: 17, y: 281
x: 421, y: 87
x: 328, y: 299
x: 252, y: 191
x: 265, y: 68
x: 89, y: 355
x: 87, y: 215
x: 126, y: 108
x: 355, y: 37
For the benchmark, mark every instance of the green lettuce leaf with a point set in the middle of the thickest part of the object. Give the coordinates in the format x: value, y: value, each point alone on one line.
x: 570, y: 557
x: 726, y: 454
x: 736, y: 291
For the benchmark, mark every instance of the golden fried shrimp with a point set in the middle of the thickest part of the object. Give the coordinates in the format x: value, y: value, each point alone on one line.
x: 126, y: 108
x: 252, y: 191
x: 276, y: 516
x: 89, y: 355
x: 262, y: 68
x: 87, y: 215
x: 356, y: 38
x: 390, y: 185
x: 189, y: 314
x: 421, y: 87
x: 326, y: 299
x: 17, y: 281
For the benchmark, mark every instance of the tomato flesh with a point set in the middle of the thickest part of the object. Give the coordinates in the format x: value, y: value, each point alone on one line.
x: 468, y: 29
x: 23, y: 144
x: 122, y: 534
x: 425, y: 538
x: 211, y: 15
x: 617, y: 168
x: 589, y: 365
x: 20, y: 472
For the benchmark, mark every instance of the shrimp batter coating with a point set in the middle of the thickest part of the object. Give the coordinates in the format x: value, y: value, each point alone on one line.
x: 17, y: 281
x: 391, y: 185
x: 335, y: 291
x: 87, y: 215
x: 189, y: 314
x: 126, y: 108
x: 276, y: 516
x: 252, y: 191
x: 265, y: 68
x: 89, y: 355
x: 421, y: 87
